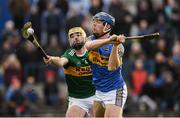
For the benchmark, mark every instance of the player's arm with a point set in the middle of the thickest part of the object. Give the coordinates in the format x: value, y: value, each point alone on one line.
x: 95, y: 44
x: 115, y: 59
x: 57, y: 61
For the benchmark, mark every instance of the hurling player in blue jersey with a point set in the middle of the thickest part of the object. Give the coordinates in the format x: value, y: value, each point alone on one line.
x: 106, y: 62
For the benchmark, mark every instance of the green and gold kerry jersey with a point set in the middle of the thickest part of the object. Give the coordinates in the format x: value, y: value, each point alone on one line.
x: 78, y: 75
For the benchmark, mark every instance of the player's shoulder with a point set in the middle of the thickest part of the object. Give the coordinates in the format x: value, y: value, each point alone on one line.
x: 91, y: 37
x: 70, y: 52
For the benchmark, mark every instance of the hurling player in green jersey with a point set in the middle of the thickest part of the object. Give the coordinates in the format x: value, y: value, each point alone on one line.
x: 78, y: 74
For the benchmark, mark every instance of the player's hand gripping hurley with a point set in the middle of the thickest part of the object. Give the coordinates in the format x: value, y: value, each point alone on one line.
x: 28, y: 33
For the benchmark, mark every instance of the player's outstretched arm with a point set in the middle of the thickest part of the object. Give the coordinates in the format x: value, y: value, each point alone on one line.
x: 115, y: 59
x: 57, y: 61
x: 95, y: 44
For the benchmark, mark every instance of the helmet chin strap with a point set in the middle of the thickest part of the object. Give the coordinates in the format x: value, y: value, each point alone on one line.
x: 105, y: 31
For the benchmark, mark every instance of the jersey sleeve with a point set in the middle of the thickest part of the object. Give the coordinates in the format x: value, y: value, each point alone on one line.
x: 66, y: 55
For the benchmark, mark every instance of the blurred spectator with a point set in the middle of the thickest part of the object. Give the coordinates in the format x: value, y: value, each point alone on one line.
x: 2, y: 108
x: 172, y: 12
x: 12, y: 68
x: 9, y: 26
x: 5, y: 15
x: 19, y: 10
x: 161, y: 47
x: 149, y: 93
x: 96, y: 6
x: 160, y: 63
x: 147, y: 45
x: 15, y: 98
x: 175, y: 17
x: 51, y: 22
x: 138, y: 77
x: 123, y: 17
x: 51, y: 91
x: 136, y: 51
x: 176, y: 53
x: 161, y: 26
x: 11, y: 41
x: 30, y: 58
x: 42, y: 5
x: 29, y: 88
x: 74, y: 19
x: 80, y: 6
x: 85, y: 24
x: 145, y: 12
x: 28, y: 53
x: 29, y: 92
x: 35, y: 18
x: 63, y: 5
x: 166, y: 31
x: 174, y: 60
x: 54, y: 46
x: 167, y: 101
x: 143, y: 27
x: 1, y: 75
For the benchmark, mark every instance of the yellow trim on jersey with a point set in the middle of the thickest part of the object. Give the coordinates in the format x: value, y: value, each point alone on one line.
x: 96, y: 58
x: 78, y: 71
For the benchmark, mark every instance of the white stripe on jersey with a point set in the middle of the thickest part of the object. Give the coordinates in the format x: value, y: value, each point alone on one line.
x: 72, y: 52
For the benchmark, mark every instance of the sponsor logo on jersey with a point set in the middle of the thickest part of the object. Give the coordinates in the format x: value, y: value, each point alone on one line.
x: 96, y: 58
x: 78, y: 71
x: 78, y: 63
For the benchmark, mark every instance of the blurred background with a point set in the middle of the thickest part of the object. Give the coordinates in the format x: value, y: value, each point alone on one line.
x: 151, y: 69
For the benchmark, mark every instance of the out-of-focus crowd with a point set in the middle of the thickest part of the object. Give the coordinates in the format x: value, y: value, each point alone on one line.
x: 151, y: 68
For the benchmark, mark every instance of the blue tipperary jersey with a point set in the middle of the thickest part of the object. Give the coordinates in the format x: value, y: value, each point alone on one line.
x: 103, y: 79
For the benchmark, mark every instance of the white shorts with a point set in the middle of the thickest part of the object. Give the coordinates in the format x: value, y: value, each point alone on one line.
x: 117, y: 97
x: 85, y: 103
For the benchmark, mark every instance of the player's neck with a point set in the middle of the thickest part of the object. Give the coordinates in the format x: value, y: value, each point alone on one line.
x: 81, y: 52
